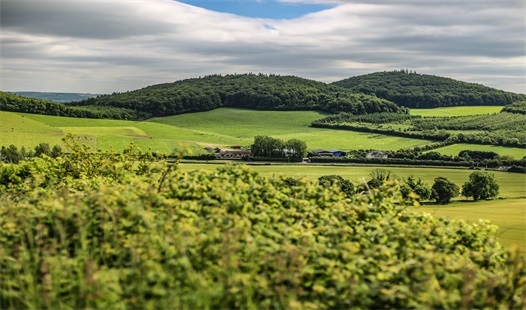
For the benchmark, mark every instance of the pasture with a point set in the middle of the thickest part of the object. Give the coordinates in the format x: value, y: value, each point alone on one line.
x: 220, y: 127
x: 456, y: 111
x: 455, y: 149
x: 509, y: 215
x: 512, y: 185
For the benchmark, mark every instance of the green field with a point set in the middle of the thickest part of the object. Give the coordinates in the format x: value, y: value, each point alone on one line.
x: 457, y: 111
x: 512, y: 185
x: 455, y: 149
x: 509, y: 215
x: 220, y: 127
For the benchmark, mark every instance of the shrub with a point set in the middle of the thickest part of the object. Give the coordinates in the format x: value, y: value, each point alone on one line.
x: 103, y: 233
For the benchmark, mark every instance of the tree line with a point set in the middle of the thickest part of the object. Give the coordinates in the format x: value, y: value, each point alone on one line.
x: 480, y: 186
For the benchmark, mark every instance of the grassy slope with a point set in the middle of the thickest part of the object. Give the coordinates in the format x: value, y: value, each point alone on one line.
x: 221, y: 127
x: 457, y: 111
x: 243, y: 125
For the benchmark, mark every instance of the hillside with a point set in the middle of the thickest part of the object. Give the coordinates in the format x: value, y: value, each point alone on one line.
x: 414, y: 90
x: 261, y: 92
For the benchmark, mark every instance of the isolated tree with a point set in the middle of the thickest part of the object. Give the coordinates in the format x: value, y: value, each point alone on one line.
x: 443, y: 190
x: 481, y: 185
x: 335, y: 180
x: 417, y: 186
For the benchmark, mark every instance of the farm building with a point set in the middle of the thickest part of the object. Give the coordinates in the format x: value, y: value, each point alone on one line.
x: 331, y: 152
x: 233, y: 154
x: 376, y: 154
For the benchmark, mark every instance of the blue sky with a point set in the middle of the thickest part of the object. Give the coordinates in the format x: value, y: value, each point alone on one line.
x: 105, y: 46
x: 261, y: 9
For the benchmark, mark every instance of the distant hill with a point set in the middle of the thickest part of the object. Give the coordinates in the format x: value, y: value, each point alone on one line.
x: 55, y: 97
x: 426, y: 91
x: 252, y: 91
x: 16, y: 103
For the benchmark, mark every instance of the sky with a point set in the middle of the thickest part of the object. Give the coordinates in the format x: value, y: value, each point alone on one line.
x: 105, y: 46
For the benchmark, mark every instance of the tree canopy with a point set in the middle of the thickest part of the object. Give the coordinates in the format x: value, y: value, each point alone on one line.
x: 481, y: 185
x: 427, y: 91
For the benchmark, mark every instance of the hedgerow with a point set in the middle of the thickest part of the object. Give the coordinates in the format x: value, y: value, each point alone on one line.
x: 103, y: 233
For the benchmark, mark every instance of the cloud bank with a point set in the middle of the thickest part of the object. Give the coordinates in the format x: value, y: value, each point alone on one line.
x: 105, y: 46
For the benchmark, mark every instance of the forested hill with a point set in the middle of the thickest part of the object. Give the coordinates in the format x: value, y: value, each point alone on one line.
x: 252, y: 91
x: 426, y: 91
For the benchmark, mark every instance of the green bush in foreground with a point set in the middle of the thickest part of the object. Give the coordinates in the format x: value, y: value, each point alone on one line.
x: 149, y: 236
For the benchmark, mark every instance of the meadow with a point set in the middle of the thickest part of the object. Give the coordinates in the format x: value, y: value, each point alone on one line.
x: 508, y: 213
x: 512, y: 185
x: 223, y: 127
x: 457, y: 111
x: 455, y: 149
x: 220, y: 127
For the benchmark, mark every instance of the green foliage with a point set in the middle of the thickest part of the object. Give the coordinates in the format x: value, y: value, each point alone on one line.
x: 518, y: 107
x: 125, y: 231
x: 335, y: 180
x: 10, y: 154
x: 415, y: 185
x: 481, y: 185
x: 379, y: 176
x: 261, y: 92
x: 443, y: 190
x: 427, y: 91
x: 268, y: 147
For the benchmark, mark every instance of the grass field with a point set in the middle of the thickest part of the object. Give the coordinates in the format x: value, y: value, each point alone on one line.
x: 509, y: 215
x: 455, y: 149
x: 221, y: 127
x: 456, y: 111
x: 512, y: 185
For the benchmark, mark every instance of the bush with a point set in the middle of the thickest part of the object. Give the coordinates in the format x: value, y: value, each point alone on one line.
x: 335, y: 180
x: 107, y: 232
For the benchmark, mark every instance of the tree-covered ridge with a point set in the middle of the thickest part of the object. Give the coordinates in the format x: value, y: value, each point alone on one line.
x: 262, y: 92
x: 415, y: 90
x: 17, y: 103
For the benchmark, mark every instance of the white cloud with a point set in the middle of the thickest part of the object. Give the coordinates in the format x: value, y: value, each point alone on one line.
x: 108, y: 46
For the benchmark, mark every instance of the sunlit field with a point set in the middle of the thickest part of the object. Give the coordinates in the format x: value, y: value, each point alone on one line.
x: 457, y: 111
x: 221, y: 127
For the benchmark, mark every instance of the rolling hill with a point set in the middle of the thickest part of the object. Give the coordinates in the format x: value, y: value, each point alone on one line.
x: 414, y: 90
x: 251, y: 91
